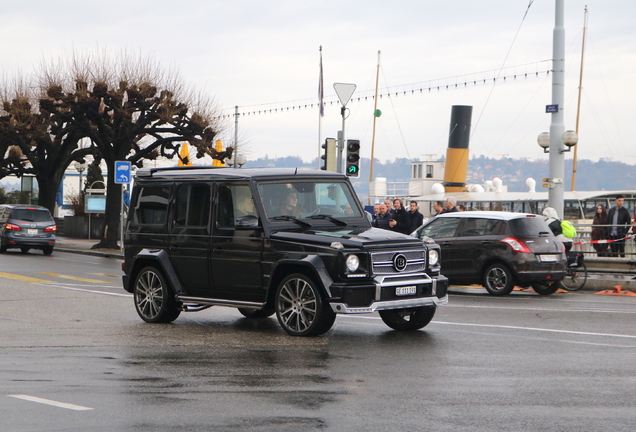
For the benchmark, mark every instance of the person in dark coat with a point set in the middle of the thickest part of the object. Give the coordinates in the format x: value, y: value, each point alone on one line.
x: 382, y: 219
x: 450, y: 205
x: 599, y: 230
x: 619, y: 221
x: 399, y: 220
x: 416, y: 219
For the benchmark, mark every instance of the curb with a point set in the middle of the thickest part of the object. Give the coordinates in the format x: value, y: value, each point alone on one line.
x: 97, y: 253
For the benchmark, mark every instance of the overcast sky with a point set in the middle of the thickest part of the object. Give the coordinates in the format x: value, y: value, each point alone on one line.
x: 265, y: 55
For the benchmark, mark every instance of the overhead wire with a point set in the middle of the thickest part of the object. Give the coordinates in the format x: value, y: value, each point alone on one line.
x: 514, y: 39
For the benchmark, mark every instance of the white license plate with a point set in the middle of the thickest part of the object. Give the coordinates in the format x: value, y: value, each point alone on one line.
x: 547, y: 258
x: 407, y: 290
x: 32, y: 232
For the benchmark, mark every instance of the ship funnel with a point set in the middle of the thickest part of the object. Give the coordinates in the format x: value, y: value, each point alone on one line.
x: 457, y: 152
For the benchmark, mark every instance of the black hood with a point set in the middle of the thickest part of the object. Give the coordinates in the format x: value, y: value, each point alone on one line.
x: 350, y: 238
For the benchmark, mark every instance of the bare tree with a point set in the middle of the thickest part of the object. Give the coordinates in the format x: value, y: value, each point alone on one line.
x: 36, y: 142
x: 127, y: 106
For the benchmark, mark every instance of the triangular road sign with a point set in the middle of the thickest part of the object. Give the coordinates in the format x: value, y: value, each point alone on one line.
x: 344, y: 92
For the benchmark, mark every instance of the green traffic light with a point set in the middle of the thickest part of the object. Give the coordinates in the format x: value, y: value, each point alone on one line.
x: 352, y: 169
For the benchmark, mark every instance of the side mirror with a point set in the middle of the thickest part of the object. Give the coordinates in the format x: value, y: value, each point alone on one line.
x: 247, y: 222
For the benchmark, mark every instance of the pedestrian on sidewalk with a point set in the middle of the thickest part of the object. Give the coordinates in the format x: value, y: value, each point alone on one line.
x: 599, y: 230
x: 619, y: 221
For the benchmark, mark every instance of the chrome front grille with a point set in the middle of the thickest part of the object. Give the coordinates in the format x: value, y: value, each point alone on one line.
x: 383, y: 262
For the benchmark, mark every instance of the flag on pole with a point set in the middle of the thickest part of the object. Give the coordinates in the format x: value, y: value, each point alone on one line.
x: 321, y: 89
x: 184, y: 156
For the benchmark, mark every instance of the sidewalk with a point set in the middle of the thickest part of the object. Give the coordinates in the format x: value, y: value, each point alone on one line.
x: 85, y: 246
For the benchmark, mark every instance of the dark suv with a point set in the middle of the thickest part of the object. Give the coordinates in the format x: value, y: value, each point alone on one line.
x: 498, y: 250
x: 287, y: 241
x: 26, y: 227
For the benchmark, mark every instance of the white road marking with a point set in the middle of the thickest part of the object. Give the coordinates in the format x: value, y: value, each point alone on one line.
x: 544, y: 309
x: 537, y: 329
x: 509, y: 327
x: 51, y: 285
x: 51, y: 402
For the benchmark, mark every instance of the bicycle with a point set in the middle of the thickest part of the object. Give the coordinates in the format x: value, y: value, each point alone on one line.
x: 576, y: 272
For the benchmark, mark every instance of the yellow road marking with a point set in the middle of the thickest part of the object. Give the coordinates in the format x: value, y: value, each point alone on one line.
x: 81, y: 279
x: 23, y: 278
x: 105, y: 275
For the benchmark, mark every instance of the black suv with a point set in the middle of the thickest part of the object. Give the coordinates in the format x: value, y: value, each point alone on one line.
x: 26, y: 227
x: 287, y: 241
x: 498, y: 250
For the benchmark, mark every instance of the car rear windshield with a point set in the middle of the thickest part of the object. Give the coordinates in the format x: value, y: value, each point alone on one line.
x: 31, y: 215
x: 528, y: 227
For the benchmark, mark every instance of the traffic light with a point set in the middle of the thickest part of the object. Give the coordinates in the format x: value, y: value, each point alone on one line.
x: 329, y: 155
x: 353, y: 158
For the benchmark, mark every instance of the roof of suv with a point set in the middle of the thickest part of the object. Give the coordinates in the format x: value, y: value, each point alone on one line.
x: 233, y: 172
x: 500, y: 215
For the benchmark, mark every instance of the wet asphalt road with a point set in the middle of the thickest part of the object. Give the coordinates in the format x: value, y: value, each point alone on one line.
x: 519, y: 363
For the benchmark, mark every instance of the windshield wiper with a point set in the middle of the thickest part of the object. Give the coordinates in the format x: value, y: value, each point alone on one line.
x: 291, y: 218
x: 326, y: 216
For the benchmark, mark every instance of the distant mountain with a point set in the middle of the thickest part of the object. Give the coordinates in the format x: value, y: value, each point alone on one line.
x: 601, y: 175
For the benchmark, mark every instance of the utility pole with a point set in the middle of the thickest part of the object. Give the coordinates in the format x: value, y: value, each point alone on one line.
x: 557, y: 125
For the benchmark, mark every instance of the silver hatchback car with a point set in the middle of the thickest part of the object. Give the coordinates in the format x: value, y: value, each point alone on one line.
x: 26, y: 227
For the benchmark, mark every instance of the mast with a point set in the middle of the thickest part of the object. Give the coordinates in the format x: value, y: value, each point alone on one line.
x: 578, y: 106
x: 375, y: 118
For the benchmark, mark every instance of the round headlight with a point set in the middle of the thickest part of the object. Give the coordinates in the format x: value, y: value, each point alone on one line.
x: 352, y: 263
x: 433, y: 257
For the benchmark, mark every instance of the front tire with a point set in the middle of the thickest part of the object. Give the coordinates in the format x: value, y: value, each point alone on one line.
x: 498, y: 280
x: 543, y: 288
x: 25, y: 249
x: 408, y: 319
x: 154, y: 300
x: 300, y: 308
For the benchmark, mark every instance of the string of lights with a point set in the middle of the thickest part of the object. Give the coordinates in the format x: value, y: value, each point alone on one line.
x: 529, y: 70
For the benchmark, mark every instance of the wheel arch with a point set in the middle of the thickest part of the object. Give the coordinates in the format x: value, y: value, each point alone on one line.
x: 158, y: 259
x: 311, y: 266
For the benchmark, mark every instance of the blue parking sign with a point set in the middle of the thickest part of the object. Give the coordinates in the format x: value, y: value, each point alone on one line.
x: 122, y: 172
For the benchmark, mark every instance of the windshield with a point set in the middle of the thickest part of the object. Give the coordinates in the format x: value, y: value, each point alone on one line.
x: 309, y: 198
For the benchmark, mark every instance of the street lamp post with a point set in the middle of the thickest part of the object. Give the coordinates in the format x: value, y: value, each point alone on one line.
x: 80, y: 167
x: 555, y: 183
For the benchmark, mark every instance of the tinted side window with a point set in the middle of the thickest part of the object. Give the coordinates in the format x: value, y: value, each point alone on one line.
x: 480, y: 227
x: 192, y: 205
x: 529, y: 226
x: 440, y: 228
x: 234, y: 202
x: 151, y: 207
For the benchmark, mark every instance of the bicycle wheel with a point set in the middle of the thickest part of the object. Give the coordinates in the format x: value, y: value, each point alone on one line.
x: 575, y: 278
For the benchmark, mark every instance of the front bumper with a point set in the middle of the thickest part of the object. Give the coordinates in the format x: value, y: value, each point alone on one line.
x: 430, y: 292
x: 342, y: 308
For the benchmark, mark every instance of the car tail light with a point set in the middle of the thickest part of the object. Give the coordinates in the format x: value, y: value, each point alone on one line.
x: 12, y: 227
x: 50, y: 228
x: 516, y: 245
